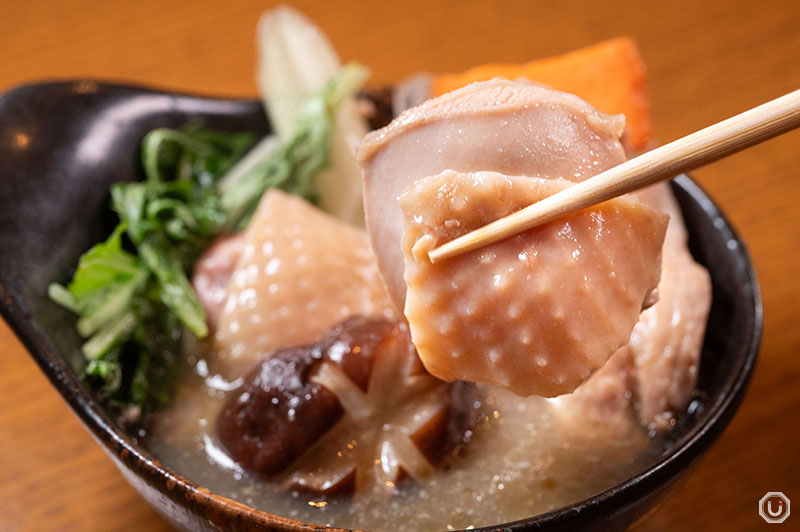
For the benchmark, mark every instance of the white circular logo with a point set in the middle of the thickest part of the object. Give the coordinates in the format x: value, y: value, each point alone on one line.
x: 774, y: 507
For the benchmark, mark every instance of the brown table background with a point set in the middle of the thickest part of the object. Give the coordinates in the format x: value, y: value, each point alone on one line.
x: 707, y: 61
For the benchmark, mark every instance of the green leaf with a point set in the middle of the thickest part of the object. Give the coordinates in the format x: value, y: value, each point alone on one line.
x: 105, y: 281
x: 107, y: 371
x: 106, y: 264
x: 128, y: 201
x: 109, y: 336
x: 161, y: 139
x: 176, y: 292
x: 192, y: 152
x: 116, y: 301
x: 293, y: 165
x: 140, y: 383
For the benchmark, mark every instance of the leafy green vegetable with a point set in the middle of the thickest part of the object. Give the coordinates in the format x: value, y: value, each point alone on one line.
x: 176, y: 292
x: 294, y: 164
x: 105, y: 282
x: 132, y: 302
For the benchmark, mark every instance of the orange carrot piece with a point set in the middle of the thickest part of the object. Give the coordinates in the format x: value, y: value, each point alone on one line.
x: 609, y: 75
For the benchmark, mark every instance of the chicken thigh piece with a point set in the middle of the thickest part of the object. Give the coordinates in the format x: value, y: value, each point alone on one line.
x: 212, y: 275
x: 655, y: 375
x: 667, y: 341
x: 536, y: 313
x: 299, y: 272
x: 515, y: 128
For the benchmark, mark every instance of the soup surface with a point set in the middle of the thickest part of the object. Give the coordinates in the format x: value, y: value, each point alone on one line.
x: 526, y: 456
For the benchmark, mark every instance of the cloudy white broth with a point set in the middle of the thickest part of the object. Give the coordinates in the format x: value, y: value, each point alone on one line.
x: 526, y: 456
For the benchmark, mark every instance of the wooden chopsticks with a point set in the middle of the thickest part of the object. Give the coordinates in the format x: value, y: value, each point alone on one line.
x: 692, y: 151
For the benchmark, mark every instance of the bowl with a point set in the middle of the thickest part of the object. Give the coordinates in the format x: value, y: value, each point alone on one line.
x: 62, y: 145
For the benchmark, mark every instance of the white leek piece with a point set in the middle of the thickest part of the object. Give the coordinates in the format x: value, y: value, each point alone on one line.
x: 296, y: 59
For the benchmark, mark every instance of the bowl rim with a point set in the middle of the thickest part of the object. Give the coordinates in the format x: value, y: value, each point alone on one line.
x: 180, y: 490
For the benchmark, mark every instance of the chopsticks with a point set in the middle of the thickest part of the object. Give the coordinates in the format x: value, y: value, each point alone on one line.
x: 692, y: 151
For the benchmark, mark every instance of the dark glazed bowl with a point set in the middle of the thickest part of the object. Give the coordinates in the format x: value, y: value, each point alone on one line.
x: 63, y: 144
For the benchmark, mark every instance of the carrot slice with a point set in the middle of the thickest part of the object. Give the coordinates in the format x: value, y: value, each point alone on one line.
x: 609, y: 75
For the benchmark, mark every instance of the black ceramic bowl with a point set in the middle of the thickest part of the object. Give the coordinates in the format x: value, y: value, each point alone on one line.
x: 63, y: 144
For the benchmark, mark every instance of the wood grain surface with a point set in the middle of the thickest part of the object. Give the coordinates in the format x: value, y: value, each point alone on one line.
x: 706, y: 61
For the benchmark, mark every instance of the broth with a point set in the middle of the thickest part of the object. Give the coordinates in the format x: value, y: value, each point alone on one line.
x: 526, y: 456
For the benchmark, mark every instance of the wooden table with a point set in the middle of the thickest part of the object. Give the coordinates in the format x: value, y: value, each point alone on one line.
x: 707, y: 60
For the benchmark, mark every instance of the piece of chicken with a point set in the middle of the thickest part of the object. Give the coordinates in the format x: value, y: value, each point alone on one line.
x: 212, y: 274
x: 514, y: 128
x: 656, y: 373
x: 538, y: 312
x: 300, y: 271
x: 666, y: 342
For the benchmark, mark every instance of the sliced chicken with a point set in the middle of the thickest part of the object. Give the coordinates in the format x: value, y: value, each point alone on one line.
x: 510, y: 127
x: 666, y: 342
x: 536, y: 313
x: 300, y: 271
x: 605, y: 397
x: 656, y: 373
